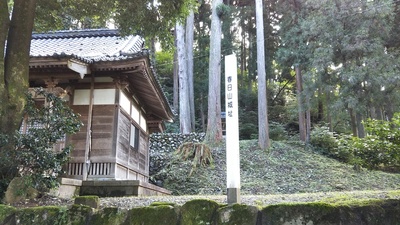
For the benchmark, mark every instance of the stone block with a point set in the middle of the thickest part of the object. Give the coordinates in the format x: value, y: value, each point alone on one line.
x: 237, y: 214
x: 91, y: 201
x: 199, y: 211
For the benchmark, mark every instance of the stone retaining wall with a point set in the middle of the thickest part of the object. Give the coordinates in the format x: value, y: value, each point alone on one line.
x: 196, y: 212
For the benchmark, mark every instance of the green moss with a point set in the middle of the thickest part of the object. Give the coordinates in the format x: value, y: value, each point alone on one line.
x: 79, y: 214
x: 237, y: 214
x: 199, y: 211
x: 6, y: 212
x: 109, y: 216
x: 89, y: 200
x: 153, y: 215
x: 44, y: 215
x: 314, y: 213
x: 162, y: 203
x: 340, y: 211
x: 395, y: 194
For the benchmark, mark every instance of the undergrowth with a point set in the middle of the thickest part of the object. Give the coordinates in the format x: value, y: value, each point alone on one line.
x: 286, y: 168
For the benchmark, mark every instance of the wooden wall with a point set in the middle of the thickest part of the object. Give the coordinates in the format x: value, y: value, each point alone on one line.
x: 115, y: 159
x: 133, y: 163
x: 102, y: 153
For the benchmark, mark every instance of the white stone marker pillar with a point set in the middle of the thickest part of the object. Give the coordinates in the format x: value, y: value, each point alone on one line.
x: 232, y: 131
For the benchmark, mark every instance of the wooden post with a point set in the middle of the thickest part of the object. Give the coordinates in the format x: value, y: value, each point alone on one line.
x: 88, y: 146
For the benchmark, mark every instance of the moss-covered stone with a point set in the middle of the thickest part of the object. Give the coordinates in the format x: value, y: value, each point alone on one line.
x: 44, y: 215
x: 162, y: 203
x: 299, y: 214
x: 367, y: 212
x: 7, y: 214
x: 376, y: 212
x: 80, y: 214
x: 199, y: 211
x: 109, y: 216
x: 19, y: 189
x: 89, y: 200
x: 237, y: 214
x: 153, y: 215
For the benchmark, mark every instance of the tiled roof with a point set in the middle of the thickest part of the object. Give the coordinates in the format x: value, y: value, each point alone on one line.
x: 87, y: 45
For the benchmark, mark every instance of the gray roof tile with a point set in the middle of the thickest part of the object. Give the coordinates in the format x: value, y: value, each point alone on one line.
x: 87, y: 45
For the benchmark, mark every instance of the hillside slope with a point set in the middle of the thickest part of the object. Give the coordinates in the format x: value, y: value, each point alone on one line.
x: 286, y: 168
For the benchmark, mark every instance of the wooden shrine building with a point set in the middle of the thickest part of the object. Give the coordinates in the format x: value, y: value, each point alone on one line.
x: 109, y: 81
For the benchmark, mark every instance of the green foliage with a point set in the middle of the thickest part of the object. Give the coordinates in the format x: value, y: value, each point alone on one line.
x: 33, y: 154
x: 223, y: 10
x: 323, y: 139
x: 152, y: 18
x: 165, y: 73
x: 73, y: 14
x: 379, y: 149
x: 277, y: 131
x: 330, y: 144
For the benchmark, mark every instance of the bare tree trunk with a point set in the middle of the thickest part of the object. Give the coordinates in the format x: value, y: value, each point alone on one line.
x: 360, y: 126
x: 176, y: 81
x: 302, y: 122
x: 14, y: 73
x: 189, y: 58
x: 389, y: 108
x: 328, y: 112
x: 4, y: 25
x: 308, y: 121
x: 320, y: 105
x: 202, y: 114
x: 16, y: 64
x: 250, y: 68
x: 353, y: 122
x: 184, y: 109
x: 263, y: 130
x: 214, y: 126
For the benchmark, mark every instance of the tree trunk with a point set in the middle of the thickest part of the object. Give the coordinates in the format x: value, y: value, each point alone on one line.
x: 250, y: 68
x: 302, y: 122
x: 389, y: 108
x: 184, y: 109
x: 328, y: 112
x: 4, y: 24
x: 308, y: 122
x: 360, y: 126
x: 189, y: 58
x: 263, y: 131
x: 16, y: 65
x: 320, y: 105
x: 176, y: 80
x: 214, y: 126
x: 14, y: 74
x: 202, y: 113
x: 353, y: 122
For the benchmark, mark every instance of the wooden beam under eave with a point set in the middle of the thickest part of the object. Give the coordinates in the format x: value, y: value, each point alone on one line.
x: 39, y: 75
x: 79, y: 67
x: 126, y: 65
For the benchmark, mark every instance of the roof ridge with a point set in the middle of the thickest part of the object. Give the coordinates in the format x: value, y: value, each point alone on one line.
x: 135, y: 43
x: 76, y: 33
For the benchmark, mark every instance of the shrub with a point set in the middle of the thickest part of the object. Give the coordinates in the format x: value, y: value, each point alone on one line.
x: 332, y: 145
x: 379, y: 149
x: 323, y: 140
x: 277, y: 131
x: 247, y: 131
x: 33, y: 155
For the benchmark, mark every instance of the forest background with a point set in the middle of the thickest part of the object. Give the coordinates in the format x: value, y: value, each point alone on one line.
x: 329, y: 65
